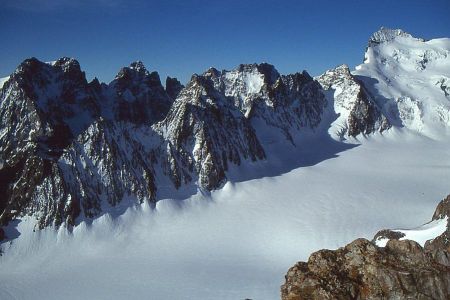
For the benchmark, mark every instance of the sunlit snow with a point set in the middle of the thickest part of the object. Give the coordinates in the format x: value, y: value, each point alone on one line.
x: 409, y: 77
x: 240, y: 241
x: 420, y: 234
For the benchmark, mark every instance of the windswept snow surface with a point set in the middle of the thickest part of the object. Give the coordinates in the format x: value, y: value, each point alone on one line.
x: 240, y: 241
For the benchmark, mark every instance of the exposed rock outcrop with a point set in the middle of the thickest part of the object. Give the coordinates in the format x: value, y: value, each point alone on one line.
x: 402, y: 269
x: 139, y: 95
x: 358, y: 112
x: 385, y: 35
x: 438, y: 247
x: 173, y: 87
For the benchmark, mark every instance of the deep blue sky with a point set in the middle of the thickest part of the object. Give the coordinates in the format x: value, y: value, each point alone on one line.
x: 179, y: 38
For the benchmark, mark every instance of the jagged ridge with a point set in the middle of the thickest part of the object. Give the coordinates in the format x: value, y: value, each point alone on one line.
x: 96, y: 145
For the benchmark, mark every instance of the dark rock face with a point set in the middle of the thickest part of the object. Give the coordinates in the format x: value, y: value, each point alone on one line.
x: 173, y: 87
x: 108, y: 163
x: 443, y: 209
x: 439, y: 247
x: 361, y: 270
x: 140, y: 96
x: 389, y: 234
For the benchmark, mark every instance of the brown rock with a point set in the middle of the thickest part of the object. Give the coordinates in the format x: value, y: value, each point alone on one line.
x: 361, y: 270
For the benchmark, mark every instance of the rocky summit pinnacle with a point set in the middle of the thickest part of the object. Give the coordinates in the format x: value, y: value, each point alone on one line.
x: 385, y: 35
x: 138, y: 66
x: 173, y: 87
x: 139, y: 95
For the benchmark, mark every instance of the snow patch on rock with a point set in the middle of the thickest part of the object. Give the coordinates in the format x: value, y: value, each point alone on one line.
x: 422, y: 234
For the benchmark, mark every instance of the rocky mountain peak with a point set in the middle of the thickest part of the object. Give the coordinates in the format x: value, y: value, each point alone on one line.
x: 138, y: 66
x: 31, y: 71
x: 385, y: 35
x: 136, y: 70
x: 67, y: 64
x: 443, y: 209
x: 71, y: 69
x: 28, y: 65
x: 269, y: 71
x: 332, y: 76
x: 343, y: 70
x: 212, y: 72
x: 139, y: 95
x: 173, y: 87
x: 358, y: 111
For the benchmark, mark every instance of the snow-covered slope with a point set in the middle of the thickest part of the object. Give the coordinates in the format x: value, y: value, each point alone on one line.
x: 409, y: 78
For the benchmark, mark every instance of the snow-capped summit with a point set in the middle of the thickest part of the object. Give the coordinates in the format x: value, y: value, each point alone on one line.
x: 409, y: 78
x: 385, y: 35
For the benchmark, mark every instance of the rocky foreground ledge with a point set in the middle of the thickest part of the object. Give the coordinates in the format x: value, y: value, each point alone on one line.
x: 401, y: 269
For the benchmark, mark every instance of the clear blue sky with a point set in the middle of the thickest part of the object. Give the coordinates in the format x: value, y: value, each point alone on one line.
x: 179, y: 38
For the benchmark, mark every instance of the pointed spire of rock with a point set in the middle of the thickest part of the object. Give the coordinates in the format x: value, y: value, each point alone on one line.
x: 173, y: 87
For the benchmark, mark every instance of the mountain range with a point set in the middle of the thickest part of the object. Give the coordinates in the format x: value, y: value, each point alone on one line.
x: 270, y: 168
x: 72, y: 150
